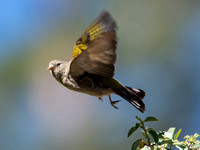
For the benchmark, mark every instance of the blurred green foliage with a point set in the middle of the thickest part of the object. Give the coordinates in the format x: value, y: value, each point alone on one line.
x: 161, y: 140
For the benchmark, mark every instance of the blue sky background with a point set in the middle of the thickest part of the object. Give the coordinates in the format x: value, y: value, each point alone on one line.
x: 158, y: 51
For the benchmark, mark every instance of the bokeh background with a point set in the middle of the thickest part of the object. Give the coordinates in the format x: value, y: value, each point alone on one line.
x: 158, y: 51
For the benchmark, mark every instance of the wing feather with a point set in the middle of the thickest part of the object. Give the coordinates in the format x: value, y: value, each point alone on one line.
x: 99, y: 55
x: 103, y: 23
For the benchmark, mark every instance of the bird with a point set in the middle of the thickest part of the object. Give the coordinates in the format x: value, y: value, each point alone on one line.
x: 92, y: 66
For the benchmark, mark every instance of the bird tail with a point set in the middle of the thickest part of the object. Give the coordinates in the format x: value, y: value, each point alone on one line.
x: 133, y: 96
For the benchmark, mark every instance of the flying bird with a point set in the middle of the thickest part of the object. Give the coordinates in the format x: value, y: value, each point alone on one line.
x: 92, y: 66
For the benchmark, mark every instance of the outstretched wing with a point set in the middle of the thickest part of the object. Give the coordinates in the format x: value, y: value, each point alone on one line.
x: 103, y: 23
x: 95, y: 51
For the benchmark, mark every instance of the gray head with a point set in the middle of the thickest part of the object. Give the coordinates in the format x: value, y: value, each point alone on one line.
x: 57, y: 68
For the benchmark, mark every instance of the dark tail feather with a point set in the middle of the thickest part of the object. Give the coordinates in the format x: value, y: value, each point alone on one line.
x: 140, y: 93
x: 133, y: 96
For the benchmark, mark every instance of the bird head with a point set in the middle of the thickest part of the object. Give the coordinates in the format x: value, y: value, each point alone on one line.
x: 58, y: 68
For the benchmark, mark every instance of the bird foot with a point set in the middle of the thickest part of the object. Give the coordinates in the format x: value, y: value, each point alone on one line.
x: 100, y: 98
x: 113, y: 102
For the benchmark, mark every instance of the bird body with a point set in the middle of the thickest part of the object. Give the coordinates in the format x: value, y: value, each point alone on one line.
x: 91, y: 84
x: 91, y: 68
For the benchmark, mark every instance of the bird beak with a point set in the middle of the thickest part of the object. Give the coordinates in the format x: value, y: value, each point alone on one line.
x: 51, y: 67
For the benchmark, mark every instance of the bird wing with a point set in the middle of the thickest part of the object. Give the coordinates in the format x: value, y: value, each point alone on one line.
x: 95, y: 51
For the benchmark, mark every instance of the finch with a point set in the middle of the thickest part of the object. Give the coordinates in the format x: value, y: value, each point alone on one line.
x: 92, y: 66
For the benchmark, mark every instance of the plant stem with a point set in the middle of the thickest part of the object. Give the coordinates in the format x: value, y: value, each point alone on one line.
x: 146, y: 134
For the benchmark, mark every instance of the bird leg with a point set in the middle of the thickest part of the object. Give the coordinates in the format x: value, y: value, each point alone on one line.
x: 100, y: 98
x: 113, y: 102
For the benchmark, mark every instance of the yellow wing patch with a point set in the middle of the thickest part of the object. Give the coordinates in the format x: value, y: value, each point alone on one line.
x: 78, y: 48
x: 95, y: 32
x: 92, y: 33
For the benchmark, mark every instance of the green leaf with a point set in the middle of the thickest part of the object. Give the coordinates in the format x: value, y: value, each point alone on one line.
x: 145, y: 148
x: 196, y: 135
x: 155, y: 147
x: 154, y: 135
x: 177, y: 143
x: 136, y: 144
x: 171, y: 130
x: 187, y: 137
x: 170, y: 133
x: 177, y: 134
x: 138, y: 118
x: 197, y: 145
x: 151, y: 119
x: 180, y: 147
x: 133, y: 129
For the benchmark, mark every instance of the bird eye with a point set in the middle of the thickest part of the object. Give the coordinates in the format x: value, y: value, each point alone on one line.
x: 58, y: 64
